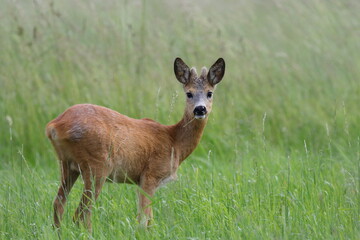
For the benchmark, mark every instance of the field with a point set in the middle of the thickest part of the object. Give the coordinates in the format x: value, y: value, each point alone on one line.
x: 280, y: 156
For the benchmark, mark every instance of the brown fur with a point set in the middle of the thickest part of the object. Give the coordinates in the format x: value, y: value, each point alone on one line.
x: 101, y: 144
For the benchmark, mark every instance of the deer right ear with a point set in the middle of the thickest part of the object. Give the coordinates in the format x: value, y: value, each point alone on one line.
x: 182, y: 71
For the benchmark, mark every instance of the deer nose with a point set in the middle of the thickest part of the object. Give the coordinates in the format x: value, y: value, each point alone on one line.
x: 200, y: 111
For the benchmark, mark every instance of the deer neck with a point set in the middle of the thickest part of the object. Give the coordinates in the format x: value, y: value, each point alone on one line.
x: 187, y: 134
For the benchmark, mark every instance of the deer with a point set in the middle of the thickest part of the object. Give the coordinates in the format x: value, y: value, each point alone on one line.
x: 102, y: 145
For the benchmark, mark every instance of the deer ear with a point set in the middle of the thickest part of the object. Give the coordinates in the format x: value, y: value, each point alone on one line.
x: 182, y: 71
x: 216, y: 72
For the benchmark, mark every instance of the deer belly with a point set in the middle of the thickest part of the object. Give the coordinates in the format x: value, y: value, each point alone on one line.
x: 125, y: 171
x: 121, y: 176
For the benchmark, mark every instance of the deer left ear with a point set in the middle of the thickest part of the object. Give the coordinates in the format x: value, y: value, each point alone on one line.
x: 216, y: 72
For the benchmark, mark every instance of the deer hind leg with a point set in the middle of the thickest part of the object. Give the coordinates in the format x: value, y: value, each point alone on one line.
x: 91, y: 178
x: 68, y: 178
x: 147, y: 191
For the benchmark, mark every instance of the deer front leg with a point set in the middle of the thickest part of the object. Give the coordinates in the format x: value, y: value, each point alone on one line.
x: 148, y: 186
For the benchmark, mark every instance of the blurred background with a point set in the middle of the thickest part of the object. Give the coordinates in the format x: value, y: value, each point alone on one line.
x: 291, y: 87
x: 292, y: 67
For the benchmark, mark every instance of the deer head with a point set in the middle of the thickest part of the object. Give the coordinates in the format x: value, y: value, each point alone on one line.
x: 199, y: 89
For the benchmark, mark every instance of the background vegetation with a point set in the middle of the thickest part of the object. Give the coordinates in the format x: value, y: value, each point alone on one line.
x: 280, y: 155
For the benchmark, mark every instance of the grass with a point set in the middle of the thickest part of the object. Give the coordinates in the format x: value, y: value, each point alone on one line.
x: 280, y: 155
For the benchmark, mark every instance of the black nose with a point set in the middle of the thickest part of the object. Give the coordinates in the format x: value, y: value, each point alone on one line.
x: 200, y: 110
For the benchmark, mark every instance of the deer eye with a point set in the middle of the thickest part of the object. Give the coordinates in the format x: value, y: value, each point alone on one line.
x: 209, y: 94
x: 189, y: 95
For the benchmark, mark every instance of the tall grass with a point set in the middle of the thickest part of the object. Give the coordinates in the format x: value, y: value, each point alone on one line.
x: 279, y: 157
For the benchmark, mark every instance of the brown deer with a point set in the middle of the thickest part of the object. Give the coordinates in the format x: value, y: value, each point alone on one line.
x: 101, y: 144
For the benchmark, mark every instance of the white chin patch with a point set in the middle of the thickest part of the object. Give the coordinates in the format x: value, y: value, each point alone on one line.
x: 200, y: 116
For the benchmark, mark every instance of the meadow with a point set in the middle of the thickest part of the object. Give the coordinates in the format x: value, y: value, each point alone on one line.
x: 280, y: 156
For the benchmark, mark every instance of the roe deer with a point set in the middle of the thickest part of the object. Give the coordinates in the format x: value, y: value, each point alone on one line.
x: 102, y: 144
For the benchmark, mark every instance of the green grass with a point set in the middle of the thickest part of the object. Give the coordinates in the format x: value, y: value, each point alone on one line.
x: 280, y: 157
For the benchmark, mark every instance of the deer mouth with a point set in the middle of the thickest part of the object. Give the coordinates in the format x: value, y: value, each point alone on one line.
x: 200, y: 116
